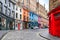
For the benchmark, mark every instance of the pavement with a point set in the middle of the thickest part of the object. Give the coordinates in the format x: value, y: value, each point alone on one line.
x: 2, y: 33
x: 45, y: 34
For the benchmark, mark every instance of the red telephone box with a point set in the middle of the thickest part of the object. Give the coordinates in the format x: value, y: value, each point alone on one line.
x: 54, y: 22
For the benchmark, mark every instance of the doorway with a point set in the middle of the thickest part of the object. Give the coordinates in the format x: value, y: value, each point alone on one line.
x: 11, y: 25
x: 0, y: 23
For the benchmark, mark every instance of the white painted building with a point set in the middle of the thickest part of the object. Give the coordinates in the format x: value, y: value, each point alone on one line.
x: 18, y: 17
x: 7, y: 14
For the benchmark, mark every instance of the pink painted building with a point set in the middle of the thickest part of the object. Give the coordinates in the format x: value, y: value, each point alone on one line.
x: 39, y: 21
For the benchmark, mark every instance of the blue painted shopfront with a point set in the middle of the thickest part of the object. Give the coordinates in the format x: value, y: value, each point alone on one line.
x: 33, y: 19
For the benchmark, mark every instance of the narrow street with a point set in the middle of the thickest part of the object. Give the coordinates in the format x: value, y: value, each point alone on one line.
x: 29, y: 19
x: 28, y: 34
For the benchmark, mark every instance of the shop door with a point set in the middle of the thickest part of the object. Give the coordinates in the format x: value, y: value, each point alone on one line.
x: 18, y: 26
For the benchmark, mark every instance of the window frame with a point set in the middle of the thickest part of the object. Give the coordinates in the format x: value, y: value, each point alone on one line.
x: 20, y: 16
x: 13, y: 14
x: 13, y: 5
x: 5, y: 1
x: 9, y: 4
x: 5, y: 10
x: 9, y: 12
x: 1, y: 6
x: 20, y: 10
x: 16, y: 15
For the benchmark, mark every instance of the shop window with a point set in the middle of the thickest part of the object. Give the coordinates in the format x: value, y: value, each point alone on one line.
x: 16, y: 25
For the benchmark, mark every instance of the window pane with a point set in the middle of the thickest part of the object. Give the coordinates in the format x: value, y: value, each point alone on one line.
x: 5, y: 1
x: 16, y: 15
x: 20, y: 16
x: 22, y: 1
x: 13, y: 14
x: 13, y: 6
x: 9, y: 12
x: 20, y: 10
x: 9, y: 4
x: 5, y: 10
x: 16, y: 8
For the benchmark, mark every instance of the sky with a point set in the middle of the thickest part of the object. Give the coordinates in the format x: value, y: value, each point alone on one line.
x: 46, y: 2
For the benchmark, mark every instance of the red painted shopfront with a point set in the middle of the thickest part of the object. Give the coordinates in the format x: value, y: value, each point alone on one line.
x: 54, y: 22
x: 18, y: 26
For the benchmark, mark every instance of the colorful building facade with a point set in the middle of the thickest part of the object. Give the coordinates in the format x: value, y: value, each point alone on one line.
x: 39, y: 21
x: 25, y: 17
x: 18, y: 17
x: 33, y: 20
x: 53, y: 4
x: 41, y: 11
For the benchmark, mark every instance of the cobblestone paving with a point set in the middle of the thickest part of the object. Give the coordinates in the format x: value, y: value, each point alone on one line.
x: 23, y: 35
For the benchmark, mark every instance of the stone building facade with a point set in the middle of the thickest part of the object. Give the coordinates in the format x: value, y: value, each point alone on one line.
x: 53, y: 4
x: 7, y: 14
x: 42, y: 12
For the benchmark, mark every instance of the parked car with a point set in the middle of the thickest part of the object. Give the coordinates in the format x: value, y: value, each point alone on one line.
x: 35, y: 27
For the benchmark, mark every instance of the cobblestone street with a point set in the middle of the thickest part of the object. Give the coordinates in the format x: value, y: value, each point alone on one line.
x: 23, y: 35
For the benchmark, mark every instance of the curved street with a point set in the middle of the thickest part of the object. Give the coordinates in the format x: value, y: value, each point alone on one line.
x: 27, y: 34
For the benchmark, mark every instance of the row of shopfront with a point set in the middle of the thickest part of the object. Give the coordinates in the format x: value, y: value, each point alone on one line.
x: 29, y: 20
x: 34, y: 20
x: 8, y: 23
